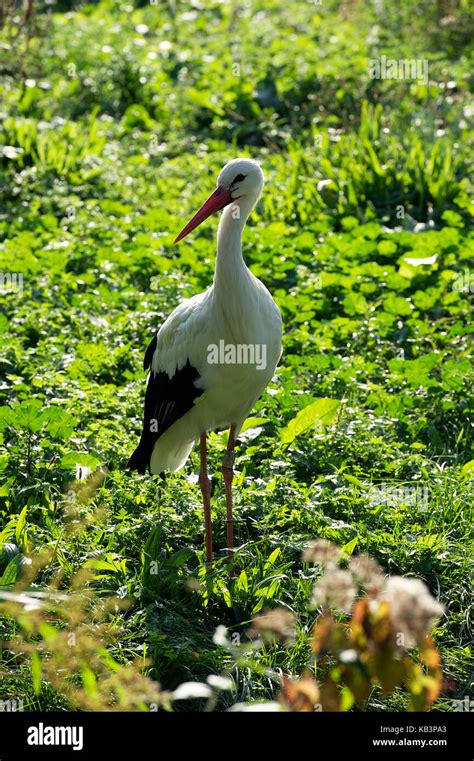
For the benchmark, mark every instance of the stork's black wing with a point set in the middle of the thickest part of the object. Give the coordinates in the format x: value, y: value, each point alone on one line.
x: 148, y: 358
x: 166, y: 400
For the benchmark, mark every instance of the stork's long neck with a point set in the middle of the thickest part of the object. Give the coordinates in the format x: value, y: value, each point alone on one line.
x: 232, y: 274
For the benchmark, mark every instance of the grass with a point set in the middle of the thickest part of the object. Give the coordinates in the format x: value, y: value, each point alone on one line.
x: 114, y: 123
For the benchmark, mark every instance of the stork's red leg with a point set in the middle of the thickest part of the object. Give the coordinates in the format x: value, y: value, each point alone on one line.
x: 205, y: 485
x: 228, y: 473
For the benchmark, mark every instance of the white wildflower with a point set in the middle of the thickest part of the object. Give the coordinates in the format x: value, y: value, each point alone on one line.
x: 413, y: 610
x: 268, y: 707
x: 366, y: 571
x: 276, y: 624
x: 322, y: 552
x: 334, y: 590
x: 189, y: 690
x: 220, y: 682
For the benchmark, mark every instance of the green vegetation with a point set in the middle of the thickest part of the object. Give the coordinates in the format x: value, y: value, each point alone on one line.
x: 114, y: 122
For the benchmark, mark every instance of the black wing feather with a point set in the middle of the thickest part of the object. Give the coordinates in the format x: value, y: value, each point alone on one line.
x: 166, y: 400
x: 149, y: 353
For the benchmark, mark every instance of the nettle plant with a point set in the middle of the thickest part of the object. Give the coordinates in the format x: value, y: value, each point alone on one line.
x: 34, y: 450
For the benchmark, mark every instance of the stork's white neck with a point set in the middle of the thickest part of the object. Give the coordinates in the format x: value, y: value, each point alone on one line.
x: 230, y: 265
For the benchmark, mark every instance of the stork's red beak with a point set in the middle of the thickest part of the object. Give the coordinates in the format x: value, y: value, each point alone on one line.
x: 215, y: 202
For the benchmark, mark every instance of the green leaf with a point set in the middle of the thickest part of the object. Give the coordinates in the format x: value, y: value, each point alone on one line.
x: 319, y: 414
x: 347, y: 699
x: 36, y: 672
x: 88, y: 680
x: 354, y: 480
x: 10, y: 573
x: 242, y: 582
x: 20, y: 531
x: 253, y: 422
x: 4, y: 324
x: 7, y: 417
x: 59, y: 423
x: 6, y: 487
x: 349, y: 548
x: 70, y: 460
x: 397, y: 305
x: 416, y: 371
x: 271, y: 559
x: 467, y: 470
x: 28, y: 415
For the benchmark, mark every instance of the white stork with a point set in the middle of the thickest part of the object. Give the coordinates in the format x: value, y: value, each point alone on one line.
x: 214, y: 355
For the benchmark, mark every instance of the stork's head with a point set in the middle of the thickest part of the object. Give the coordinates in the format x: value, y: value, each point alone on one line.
x: 239, y: 179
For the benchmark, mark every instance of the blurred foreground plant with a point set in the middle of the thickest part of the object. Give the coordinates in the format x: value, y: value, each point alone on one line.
x: 65, y: 630
x: 370, y: 649
x: 353, y: 655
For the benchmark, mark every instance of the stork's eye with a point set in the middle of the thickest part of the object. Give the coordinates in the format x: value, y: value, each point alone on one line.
x: 239, y: 178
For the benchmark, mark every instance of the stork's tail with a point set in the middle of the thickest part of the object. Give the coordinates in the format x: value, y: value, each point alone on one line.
x: 172, y: 449
x: 140, y: 459
x: 169, y: 452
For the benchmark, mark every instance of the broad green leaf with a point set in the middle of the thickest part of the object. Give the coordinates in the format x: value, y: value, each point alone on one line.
x: 84, y: 459
x: 242, y: 581
x: 253, y: 422
x: 349, y: 548
x: 319, y: 414
x: 7, y: 417
x: 59, y: 423
x: 10, y: 573
x: 271, y: 559
x: 467, y: 470
x: 397, y: 305
x: 28, y: 415
x: 354, y: 480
